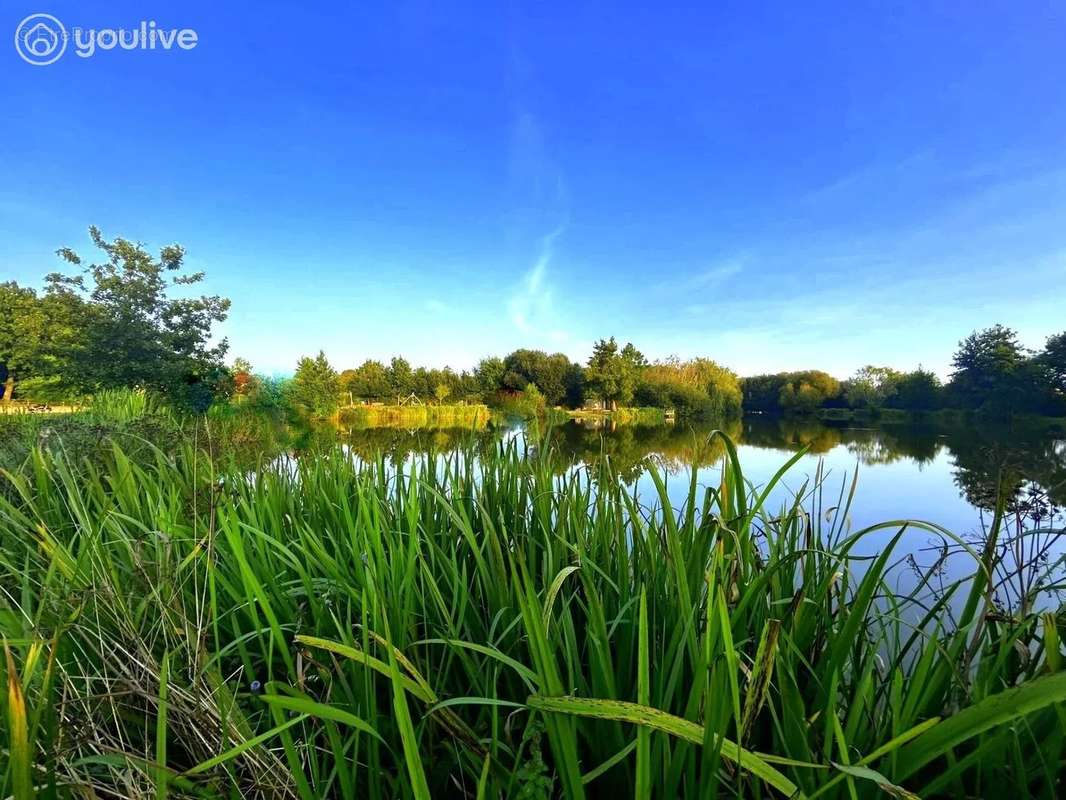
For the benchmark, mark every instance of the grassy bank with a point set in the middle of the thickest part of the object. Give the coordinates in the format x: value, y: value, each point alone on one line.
x: 621, y: 416
x: 178, y: 628
x: 415, y: 416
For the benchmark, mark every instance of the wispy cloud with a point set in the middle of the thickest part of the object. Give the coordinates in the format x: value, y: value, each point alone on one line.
x: 717, y: 274
x: 531, y: 303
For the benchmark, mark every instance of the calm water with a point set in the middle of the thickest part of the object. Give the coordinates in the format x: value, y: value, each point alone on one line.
x: 944, y: 475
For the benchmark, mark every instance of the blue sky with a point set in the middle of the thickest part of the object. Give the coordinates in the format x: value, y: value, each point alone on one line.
x: 772, y: 185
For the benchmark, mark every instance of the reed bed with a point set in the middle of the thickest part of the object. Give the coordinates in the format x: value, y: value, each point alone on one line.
x: 415, y: 416
x: 486, y: 628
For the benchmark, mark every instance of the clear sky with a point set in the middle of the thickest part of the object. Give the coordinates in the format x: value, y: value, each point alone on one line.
x: 772, y: 185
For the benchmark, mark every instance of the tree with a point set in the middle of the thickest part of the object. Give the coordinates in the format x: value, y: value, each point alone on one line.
x: 22, y: 332
x: 1053, y: 361
x: 244, y: 382
x: 369, y: 381
x: 131, y: 331
x: 763, y: 392
x: 990, y: 371
x: 697, y: 388
x: 871, y: 387
x: 441, y: 392
x: 917, y: 391
x: 807, y: 391
x: 489, y: 373
x: 315, y: 387
x: 612, y: 375
x: 401, y: 377
x: 554, y: 375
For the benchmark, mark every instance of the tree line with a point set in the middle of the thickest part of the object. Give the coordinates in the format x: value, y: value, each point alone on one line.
x: 129, y: 320
x: 992, y: 373
x: 525, y: 380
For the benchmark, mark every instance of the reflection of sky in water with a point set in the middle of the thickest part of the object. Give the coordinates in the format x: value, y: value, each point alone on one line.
x: 904, y: 472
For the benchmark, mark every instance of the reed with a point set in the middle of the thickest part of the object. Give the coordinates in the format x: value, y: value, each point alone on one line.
x: 415, y: 416
x: 484, y: 628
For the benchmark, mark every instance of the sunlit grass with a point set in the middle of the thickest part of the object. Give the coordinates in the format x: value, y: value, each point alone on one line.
x: 487, y: 628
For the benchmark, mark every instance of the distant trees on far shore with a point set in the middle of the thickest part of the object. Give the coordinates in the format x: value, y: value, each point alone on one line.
x: 613, y: 376
x: 992, y: 374
x: 115, y: 323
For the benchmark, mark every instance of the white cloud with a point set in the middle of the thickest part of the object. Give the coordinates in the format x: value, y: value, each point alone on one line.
x: 530, y: 306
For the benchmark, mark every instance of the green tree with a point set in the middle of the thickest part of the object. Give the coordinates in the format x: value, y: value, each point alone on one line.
x: 917, y: 391
x: 41, y: 337
x: 612, y: 374
x: 763, y: 392
x: 315, y: 388
x: 22, y: 336
x: 1053, y: 361
x: 132, y: 331
x: 401, y: 377
x: 871, y: 387
x: 489, y: 373
x: 695, y: 388
x: 441, y: 392
x: 990, y: 371
x: 554, y: 375
x: 370, y: 381
x: 808, y: 390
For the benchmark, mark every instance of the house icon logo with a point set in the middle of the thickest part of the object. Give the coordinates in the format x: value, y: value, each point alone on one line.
x: 40, y: 39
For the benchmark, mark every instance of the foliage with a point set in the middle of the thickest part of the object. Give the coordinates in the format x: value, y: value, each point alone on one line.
x: 331, y: 628
x: 489, y: 374
x: 413, y: 416
x: 114, y: 324
x: 805, y: 391
x: 872, y: 387
x: 370, y: 381
x: 400, y: 377
x: 991, y: 372
x: 698, y: 388
x: 920, y: 390
x: 1051, y: 363
x: 612, y: 375
x: 40, y: 336
x: 555, y: 376
x: 134, y: 332
x: 315, y: 388
x: 245, y: 383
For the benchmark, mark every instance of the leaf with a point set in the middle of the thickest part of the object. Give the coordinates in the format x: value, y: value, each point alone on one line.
x: 161, y: 730
x: 644, y: 779
x: 553, y: 592
x: 366, y: 660
x: 303, y: 705
x: 990, y: 712
x: 636, y: 714
x: 873, y: 775
x: 413, y: 759
x: 18, y: 733
x: 243, y: 747
x: 760, y: 676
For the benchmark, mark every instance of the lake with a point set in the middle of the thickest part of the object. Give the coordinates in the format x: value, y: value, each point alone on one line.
x: 948, y: 475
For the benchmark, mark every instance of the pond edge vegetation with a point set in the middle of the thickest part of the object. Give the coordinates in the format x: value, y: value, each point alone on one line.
x: 331, y: 628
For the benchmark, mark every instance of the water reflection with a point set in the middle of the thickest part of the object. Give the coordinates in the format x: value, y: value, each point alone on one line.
x: 949, y: 475
x: 985, y: 461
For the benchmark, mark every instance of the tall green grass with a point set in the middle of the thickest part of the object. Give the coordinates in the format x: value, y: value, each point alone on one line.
x: 126, y: 405
x: 488, y: 629
x: 415, y: 416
